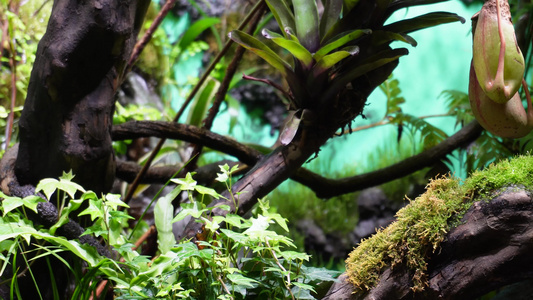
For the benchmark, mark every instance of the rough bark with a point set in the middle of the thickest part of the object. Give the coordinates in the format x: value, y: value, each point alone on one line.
x: 67, y: 116
x: 490, y: 249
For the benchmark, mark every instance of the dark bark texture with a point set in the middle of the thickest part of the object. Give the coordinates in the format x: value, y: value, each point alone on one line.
x: 67, y: 116
x: 490, y: 249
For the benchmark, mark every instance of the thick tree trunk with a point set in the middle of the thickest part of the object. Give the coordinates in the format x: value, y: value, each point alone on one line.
x: 491, y: 248
x: 67, y: 116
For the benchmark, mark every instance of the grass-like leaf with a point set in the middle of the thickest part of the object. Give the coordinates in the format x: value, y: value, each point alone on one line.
x: 423, y: 21
x: 306, y: 19
x: 282, y: 14
x: 339, y: 42
x: 262, y: 50
x: 294, y: 47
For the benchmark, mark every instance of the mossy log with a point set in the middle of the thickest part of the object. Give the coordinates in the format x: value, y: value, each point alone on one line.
x: 460, y: 240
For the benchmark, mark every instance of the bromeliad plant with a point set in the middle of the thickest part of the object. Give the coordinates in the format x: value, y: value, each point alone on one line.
x: 338, y: 56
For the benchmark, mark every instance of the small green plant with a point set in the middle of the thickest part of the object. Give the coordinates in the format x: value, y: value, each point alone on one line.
x: 237, y: 258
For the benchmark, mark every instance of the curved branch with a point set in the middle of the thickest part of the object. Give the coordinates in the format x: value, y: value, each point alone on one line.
x: 322, y: 186
x: 491, y: 248
x: 327, y: 188
x: 127, y: 170
x: 188, y: 133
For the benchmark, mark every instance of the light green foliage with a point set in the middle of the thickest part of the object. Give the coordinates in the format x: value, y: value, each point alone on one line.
x: 237, y: 260
x: 423, y: 224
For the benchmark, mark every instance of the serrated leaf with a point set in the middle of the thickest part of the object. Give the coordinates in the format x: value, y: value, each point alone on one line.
x: 295, y: 48
x: 262, y: 50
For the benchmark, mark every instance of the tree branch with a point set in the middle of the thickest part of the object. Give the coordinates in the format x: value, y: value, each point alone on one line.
x: 322, y: 186
x: 490, y: 249
x: 327, y: 188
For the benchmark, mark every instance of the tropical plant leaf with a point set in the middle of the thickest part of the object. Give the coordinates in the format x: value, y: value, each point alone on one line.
x: 348, y: 5
x: 195, y: 30
x: 306, y: 19
x: 339, y: 42
x: 294, y: 47
x: 202, y: 102
x: 330, y: 16
x: 282, y: 14
x: 330, y: 60
x: 423, y: 21
x: 372, y: 63
x: 262, y: 50
x: 163, y: 215
x: 380, y: 37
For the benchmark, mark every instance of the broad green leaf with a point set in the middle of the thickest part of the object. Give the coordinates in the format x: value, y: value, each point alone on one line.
x: 195, y: 210
x: 163, y: 215
x: 262, y: 50
x: 307, y: 25
x: 291, y: 128
x: 295, y: 48
x: 380, y: 37
x: 73, y: 204
x: 330, y: 16
x: 31, y: 202
x: 328, y: 61
x: 348, y: 5
x: 341, y: 41
x: 319, y: 274
x: 9, y: 203
x: 282, y: 14
x: 372, y: 63
x: 202, y: 102
x: 11, y: 230
x: 423, y: 21
x: 195, y: 30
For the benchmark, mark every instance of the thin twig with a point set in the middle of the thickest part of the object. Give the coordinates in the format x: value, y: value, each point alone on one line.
x: 271, y: 83
x: 222, y: 91
x: 195, y: 90
x: 386, y: 121
x: 141, y: 44
x: 287, y: 284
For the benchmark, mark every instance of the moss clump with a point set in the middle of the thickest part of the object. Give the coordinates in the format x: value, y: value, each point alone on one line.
x: 423, y: 224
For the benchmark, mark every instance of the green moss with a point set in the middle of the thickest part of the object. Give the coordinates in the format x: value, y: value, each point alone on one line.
x: 423, y: 224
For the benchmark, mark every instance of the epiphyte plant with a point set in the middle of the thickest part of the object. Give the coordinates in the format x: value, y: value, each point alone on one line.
x: 338, y: 55
x: 496, y: 73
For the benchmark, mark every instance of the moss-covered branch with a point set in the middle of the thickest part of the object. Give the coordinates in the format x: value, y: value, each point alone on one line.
x: 459, y: 240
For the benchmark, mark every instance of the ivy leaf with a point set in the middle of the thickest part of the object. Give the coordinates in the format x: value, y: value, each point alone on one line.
x: 187, y: 183
x: 94, y: 210
x: 195, y: 210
